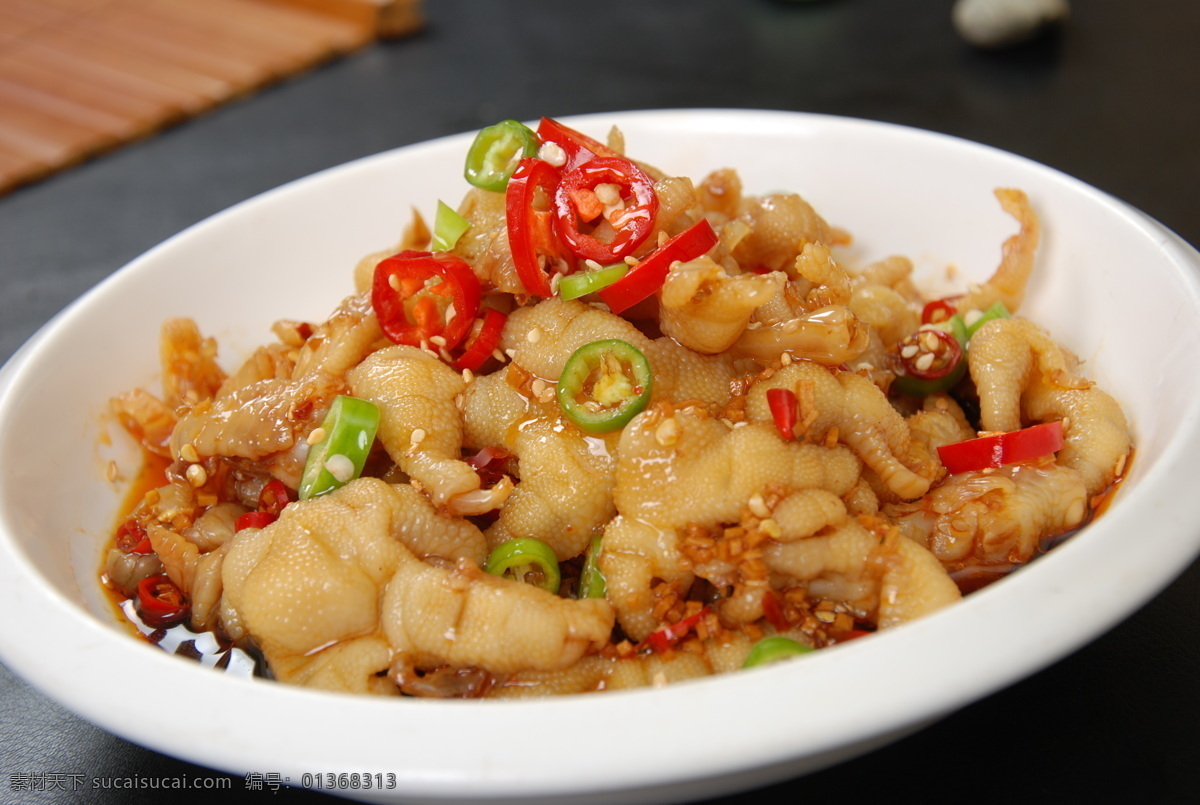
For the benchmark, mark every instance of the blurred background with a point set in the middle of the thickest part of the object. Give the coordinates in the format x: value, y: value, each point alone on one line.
x: 1107, y: 95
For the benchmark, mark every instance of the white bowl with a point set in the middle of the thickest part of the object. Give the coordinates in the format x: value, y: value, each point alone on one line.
x: 1107, y: 280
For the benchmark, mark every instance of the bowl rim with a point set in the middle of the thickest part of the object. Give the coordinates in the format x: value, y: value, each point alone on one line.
x: 494, y: 771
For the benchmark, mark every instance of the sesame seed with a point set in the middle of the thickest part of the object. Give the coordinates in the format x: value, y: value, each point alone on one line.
x: 758, y: 507
x: 340, y: 467
x: 197, y: 476
x: 608, y: 193
x: 317, y: 435
x: 667, y: 433
x: 539, y: 387
x: 785, y: 359
x: 552, y: 153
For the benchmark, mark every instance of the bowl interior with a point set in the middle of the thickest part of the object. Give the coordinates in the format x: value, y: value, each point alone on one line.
x: 1107, y: 284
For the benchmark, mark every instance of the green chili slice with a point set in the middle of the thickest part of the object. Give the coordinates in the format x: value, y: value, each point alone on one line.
x: 525, y: 559
x: 496, y: 152
x: 591, y: 580
x: 996, y: 311
x: 448, y: 227
x: 604, y: 385
x: 774, y: 649
x: 338, y: 457
x: 582, y: 283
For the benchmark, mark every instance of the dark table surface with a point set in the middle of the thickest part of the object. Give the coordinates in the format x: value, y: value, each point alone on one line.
x: 1111, y: 99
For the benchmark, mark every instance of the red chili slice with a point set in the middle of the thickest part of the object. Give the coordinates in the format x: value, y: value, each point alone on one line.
x: 413, y: 294
x: 132, y: 538
x: 785, y: 409
x: 254, y: 520
x: 160, y: 603
x: 529, y: 215
x: 649, y: 275
x: 1002, y: 448
x: 481, y: 345
x: 773, y: 612
x: 944, y: 351
x: 576, y: 201
x: 274, y: 497
x: 939, y: 310
x: 667, y: 636
x: 578, y: 147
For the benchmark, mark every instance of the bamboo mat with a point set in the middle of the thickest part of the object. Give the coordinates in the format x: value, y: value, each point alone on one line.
x: 80, y: 77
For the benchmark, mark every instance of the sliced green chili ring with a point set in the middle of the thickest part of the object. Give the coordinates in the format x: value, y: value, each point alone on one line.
x: 591, y: 580
x: 448, y: 227
x: 582, y: 283
x: 774, y: 649
x: 338, y: 458
x: 604, y: 385
x: 997, y: 311
x: 496, y: 152
x: 525, y: 559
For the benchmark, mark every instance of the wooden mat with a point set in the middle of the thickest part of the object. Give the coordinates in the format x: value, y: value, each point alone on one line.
x: 79, y: 77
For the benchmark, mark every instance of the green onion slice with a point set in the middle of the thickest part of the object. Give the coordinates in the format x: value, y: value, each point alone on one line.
x: 996, y: 311
x: 497, y: 150
x: 591, y: 580
x: 604, y: 384
x: 774, y: 649
x: 338, y: 458
x: 448, y: 227
x: 525, y: 559
x: 582, y: 283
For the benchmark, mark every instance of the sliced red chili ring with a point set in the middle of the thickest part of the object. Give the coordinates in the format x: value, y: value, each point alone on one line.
x: 159, y: 602
x: 931, y: 361
x: 998, y: 449
x: 419, y: 296
x: 132, y: 538
x: 939, y: 310
x: 529, y: 216
x: 632, y: 210
x: 578, y: 147
x: 254, y: 520
x: 482, y: 344
x: 773, y: 611
x: 648, y: 276
x: 668, y: 636
x: 785, y: 409
x: 273, y: 497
